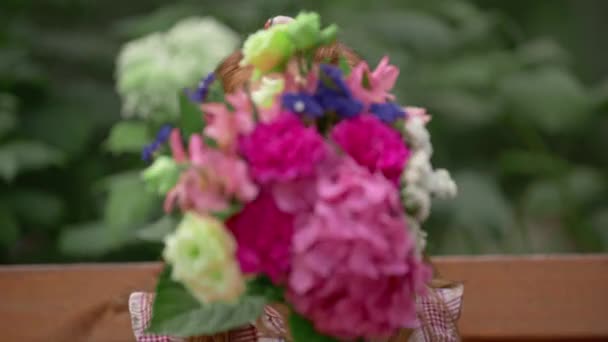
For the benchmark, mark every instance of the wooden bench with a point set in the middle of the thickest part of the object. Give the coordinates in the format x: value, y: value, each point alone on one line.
x: 548, y: 298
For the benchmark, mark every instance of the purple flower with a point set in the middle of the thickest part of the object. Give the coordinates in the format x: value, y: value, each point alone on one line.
x: 302, y: 103
x: 161, y: 137
x: 387, y: 112
x: 200, y: 94
x: 332, y: 95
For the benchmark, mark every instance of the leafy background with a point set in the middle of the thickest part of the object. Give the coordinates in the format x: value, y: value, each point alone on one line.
x: 518, y: 89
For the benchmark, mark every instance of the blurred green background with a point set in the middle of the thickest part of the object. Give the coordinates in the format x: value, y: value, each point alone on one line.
x: 518, y: 91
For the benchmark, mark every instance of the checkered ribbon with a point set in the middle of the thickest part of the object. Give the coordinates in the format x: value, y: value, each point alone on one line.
x: 438, y: 312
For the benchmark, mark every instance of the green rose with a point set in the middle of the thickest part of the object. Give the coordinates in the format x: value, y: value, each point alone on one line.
x: 202, y: 253
x: 162, y: 175
x: 305, y: 31
x: 268, y: 49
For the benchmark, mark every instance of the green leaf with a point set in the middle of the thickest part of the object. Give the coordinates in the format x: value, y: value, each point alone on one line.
x: 302, y: 330
x: 344, y: 66
x: 176, y: 312
x: 524, y: 162
x: 216, y: 92
x: 8, y: 110
x: 262, y: 286
x: 129, y: 204
x: 157, y: 231
x: 9, y: 229
x: 128, y: 136
x: 550, y: 98
x: 191, y: 116
x: 20, y: 156
x: 91, y: 239
x: 39, y: 208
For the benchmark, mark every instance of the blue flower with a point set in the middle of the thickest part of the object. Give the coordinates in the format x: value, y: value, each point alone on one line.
x: 331, y: 79
x: 332, y: 95
x: 302, y: 103
x: 200, y: 94
x: 161, y: 137
x: 387, y: 112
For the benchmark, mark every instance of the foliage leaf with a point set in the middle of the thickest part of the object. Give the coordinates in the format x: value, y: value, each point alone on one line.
x: 19, y: 156
x: 128, y: 136
x: 89, y: 240
x: 38, y: 208
x: 129, y: 204
x: 9, y: 229
x: 191, y: 117
x: 176, y: 312
x: 156, y: 231
x: 302, y: 330
x: 262, y: 286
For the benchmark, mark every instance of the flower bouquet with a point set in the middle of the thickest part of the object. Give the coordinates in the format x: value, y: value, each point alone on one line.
x: 300, y: 186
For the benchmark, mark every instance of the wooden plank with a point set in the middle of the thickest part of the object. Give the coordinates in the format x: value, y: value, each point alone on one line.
x: 506, y: 298
x: 532, y: 296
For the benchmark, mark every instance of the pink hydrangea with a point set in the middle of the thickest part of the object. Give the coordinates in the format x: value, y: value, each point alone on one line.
x: 373, y: 86
x: 212, y: 180
x: 263, y: 234
x: 355, y: 271
x: 283, y: 150
x: 372, y: 144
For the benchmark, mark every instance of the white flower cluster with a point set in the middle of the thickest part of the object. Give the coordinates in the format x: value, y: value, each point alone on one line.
x: 152, y: 70
x: 420, y: 182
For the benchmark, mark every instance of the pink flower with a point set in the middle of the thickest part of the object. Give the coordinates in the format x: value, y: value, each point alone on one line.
x: 372, y: 144
x: 211, y: 182
x: 282, y: 150
x: 225, y: 126
x: 263, y: 234
x: 417, y: 112
x: 379, y: 82
x: 355, y: 271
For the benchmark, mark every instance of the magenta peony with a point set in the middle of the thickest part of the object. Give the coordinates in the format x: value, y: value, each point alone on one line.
x: 263, y: 234
x: 355, y: 271
x: 283, y: 150
x: 372, y: 144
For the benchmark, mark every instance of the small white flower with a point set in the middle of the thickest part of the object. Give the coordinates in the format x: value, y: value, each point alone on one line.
x: 417, y: 202
x: 417, y: 135
x: 442, y: 184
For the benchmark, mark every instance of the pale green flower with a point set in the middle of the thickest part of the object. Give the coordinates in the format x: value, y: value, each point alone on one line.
x: 305, y: 31
x: 162, y: 175
x: 202, y: 254
x: 268, y: 49
x: 269, y: 88
x: 153, y: 70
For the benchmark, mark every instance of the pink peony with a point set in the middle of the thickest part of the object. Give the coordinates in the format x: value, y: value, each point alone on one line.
x: 372, y: 144
x: 212, y: 180
x: 263, y: 234
x: 283, y: 150
x: 355, y: 271
x: 379, y: 82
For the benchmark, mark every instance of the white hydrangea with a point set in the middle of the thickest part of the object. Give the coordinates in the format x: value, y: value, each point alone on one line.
x: 152, y: 70
x: 417, y: 201
x: 442, y: 185
x: 419, y: 180
x: 417, y: 135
